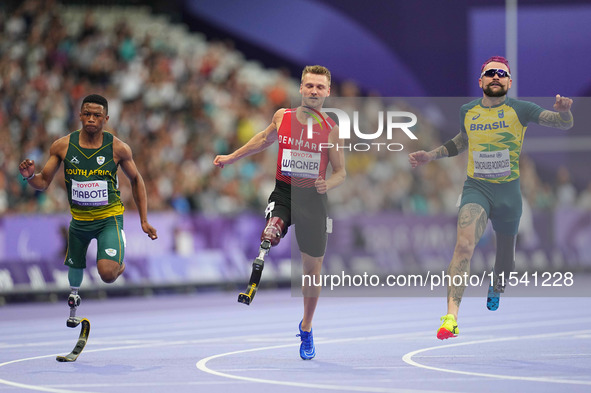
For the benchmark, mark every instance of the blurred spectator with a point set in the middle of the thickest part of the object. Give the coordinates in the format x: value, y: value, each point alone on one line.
x: 585, y: 198
x: 180, y: 100
x: 566, y: 194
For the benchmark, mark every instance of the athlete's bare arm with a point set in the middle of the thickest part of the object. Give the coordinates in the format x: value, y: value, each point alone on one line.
x: 422, y: 157
x: 123, y: 156
x: 256, y: 144
x: 42, y: 180
x: 336, y: 158
x: 562, y: 118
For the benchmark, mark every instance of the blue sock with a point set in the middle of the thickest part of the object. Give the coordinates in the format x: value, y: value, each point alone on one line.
x: 75, y: 277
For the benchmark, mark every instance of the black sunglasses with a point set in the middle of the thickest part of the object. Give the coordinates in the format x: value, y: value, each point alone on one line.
x: 496, y: 71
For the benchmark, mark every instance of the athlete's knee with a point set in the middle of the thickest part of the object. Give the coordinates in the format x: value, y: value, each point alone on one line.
x: 109, y: 270
x: 108, y: 276
x: 311, y: 265
x: 273, y: 230
x: 465, y: 246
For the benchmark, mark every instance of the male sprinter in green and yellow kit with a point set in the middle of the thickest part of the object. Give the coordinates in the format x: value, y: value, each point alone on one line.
x: 91, y: 158
x: 492, y: 130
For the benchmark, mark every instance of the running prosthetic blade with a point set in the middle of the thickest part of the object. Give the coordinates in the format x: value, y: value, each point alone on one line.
x: 253, y: 284
x: 82, y: 339
x: 255, y: 277
x: 73, y: 303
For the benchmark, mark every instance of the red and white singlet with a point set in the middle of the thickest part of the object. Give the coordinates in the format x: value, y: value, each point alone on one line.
x: 301, y: 160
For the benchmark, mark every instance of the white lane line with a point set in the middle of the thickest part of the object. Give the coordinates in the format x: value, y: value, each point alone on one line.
x: 408, y: 359
x: 119, y: 348
x: 34, y: 387
x: 328, y: 387
x: 202, y: 365
x: 142, y: 384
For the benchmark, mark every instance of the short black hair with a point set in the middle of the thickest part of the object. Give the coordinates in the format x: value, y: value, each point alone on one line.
x: 96, y: 99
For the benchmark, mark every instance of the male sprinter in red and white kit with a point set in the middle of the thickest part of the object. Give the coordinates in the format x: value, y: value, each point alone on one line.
x: 299, y: 197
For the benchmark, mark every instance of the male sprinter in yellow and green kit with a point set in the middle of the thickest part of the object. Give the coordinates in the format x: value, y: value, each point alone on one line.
x: 91, y: 158
x: 492, y: 130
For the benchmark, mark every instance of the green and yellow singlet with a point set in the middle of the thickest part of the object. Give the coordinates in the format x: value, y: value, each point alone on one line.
x: 495, y: 137
x: 91, y: 180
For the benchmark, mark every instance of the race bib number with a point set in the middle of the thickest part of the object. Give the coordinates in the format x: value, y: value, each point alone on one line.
x: 90, y: 193
x: 491, y: 164
x: 297, y: 163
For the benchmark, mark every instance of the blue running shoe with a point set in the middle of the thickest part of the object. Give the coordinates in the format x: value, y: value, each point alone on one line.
x: 496, y: 287
x: 492, y: 299
x: 307, y: 349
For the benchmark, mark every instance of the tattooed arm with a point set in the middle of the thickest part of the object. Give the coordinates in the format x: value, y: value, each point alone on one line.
x: 461, y: 142
x: 422, y: 157
x: 562, y: 118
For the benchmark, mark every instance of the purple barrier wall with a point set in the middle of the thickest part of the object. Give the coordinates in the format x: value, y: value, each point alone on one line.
x: 395, y: 243
x: 197, y: 249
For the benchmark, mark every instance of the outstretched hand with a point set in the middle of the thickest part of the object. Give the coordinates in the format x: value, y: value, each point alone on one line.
x: 320, y: 185
x: 562, y: 104
x: 220, y: 161
x: 150, y: 230
x: 27, y: 168
x: 419, y: 158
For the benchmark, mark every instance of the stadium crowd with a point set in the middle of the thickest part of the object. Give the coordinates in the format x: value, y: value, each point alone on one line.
x: 178, y: 103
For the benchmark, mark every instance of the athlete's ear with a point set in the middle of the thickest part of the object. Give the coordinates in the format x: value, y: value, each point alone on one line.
x: 480, y: 82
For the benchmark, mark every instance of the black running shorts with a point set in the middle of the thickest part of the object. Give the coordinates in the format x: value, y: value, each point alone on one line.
x: 307, y: 210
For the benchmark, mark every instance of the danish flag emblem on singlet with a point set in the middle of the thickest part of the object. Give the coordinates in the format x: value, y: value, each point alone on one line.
x: 100, y: 160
